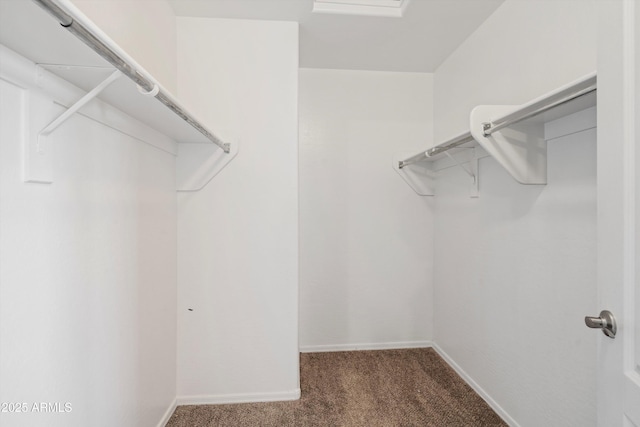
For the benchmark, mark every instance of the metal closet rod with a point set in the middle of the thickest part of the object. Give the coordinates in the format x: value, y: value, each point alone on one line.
x: 114, y: 58
x: 554, y: 99
x: 440, y: 148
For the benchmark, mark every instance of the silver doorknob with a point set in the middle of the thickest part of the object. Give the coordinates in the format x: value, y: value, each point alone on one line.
x: 606, y: 322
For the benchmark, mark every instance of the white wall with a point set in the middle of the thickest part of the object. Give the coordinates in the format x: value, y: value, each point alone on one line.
x: 145, y: 29
x: 525, y: 49
x: 515, y: 276
x: 365, y: 236
x: 88, y: 265
x: 515, y: 270
x: 238, y: 237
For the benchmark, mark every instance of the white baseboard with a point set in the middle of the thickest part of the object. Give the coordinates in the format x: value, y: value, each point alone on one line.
x: 364, y: 346
x: 217, y: 399
x: 167, y: 415
x: 474, y: 385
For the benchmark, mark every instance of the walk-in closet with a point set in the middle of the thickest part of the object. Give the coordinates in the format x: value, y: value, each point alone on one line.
x: 319, y: 213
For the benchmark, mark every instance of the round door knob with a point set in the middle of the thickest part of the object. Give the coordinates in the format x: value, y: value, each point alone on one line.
x: 606, y: 322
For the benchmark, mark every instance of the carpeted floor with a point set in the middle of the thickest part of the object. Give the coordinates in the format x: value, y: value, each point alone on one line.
x: 412, y: 387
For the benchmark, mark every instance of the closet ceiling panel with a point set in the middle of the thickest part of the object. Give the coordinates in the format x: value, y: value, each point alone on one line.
x: 419, y: 41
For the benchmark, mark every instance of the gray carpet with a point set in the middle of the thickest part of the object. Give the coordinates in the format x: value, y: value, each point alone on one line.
x: 412, y: 387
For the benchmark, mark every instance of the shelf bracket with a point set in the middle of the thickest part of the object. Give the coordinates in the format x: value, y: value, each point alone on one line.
x: 472, y: 171
x: 419, y: 176
x: 520, y: 148
x: 198, y: 164
x: 38, y: 165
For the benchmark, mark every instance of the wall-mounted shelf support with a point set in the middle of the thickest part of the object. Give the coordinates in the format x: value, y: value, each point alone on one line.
x: 420, y: 176
x: 198, y: 164
x: 560, y: 96
x: 93, y: 37
x: 471, y: 170
x: 80, y: 103
x: 517, y: 143
x: 514, y: 134
x: 520, y: 149
x: 165, y: 124
x: 38, y: 165
x: 454, y: 142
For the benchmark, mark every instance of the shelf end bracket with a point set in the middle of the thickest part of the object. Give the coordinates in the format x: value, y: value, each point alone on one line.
x: 471, y: 170
x: 520, y: 148
x: 420, y: 176
x: 38, y: 162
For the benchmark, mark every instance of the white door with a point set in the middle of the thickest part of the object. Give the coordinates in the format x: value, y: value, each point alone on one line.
x: 619, y: 210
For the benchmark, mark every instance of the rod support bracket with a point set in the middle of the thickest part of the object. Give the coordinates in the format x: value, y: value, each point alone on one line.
x: 38, y: 161
x: 420, y: 177
x: 472, y: 171
x: 519, y: 148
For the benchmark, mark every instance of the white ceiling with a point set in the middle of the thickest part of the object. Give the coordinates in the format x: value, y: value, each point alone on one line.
x: 418, y: 42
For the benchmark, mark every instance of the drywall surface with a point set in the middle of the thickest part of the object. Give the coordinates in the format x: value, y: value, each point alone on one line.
x: 238, y: 237
x: 525, y: 49
x: 145, y: 29
x: 515, y: 269
x: 365, y: 236
x: 88, y: 266
x: 515, y: 274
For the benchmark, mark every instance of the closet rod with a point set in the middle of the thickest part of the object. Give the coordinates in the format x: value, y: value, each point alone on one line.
x: 551, y: 100
x: 93, y: 38
x: 440, y: 148
x: 583, y: 86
